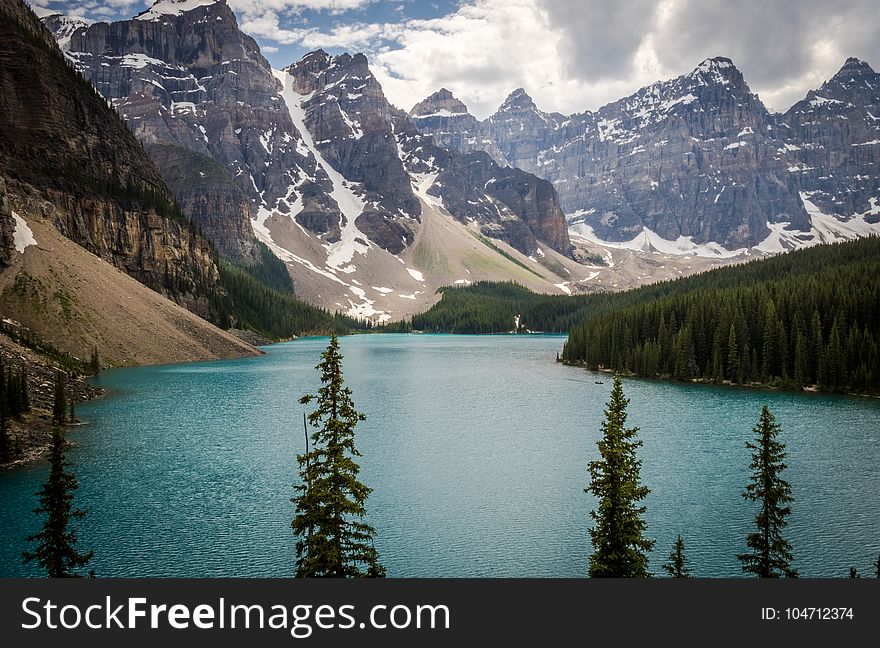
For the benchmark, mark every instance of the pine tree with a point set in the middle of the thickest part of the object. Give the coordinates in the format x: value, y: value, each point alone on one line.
x: 769, y: 553
x: 801, y: 366
x: 59, y: 408
x: 854, y: 573
x: 877, y: 566
x: 13, y: 394
x: 676, y: 564
x: 619, y: 546
x: 333, y: 541
x: 55, y: 550
x: 732, y: 355
x: 25, y: 397
x: 5, y: 444
x: 95, y: 362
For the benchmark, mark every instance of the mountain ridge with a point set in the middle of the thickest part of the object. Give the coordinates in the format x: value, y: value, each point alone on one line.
x: 339, y: 179
x: 619, y: 187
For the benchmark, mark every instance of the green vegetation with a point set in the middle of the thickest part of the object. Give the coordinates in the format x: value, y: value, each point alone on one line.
x: 30, y: 340
x: 487, y: 307
x: 248, y: 303
x: 332, y: 538
x: 14, y: 404
x: 5, y: 441
x: 676, y: 564
x: 55, y: 551
x: 593, y: 258
x: 810, y: 317
x: 94, y: 362
x: 14, y: 397
x: 270, y: 270
x: 619, y: 545
x: 59, y: 407
x: 489, y: 244
x: 769, y: 554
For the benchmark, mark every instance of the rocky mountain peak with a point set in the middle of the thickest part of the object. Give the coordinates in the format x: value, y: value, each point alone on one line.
x: 64, y: 27
x: 854, y: 67
x: 176, y: 8
x: 717, y: 70
x: 447, y: 120
x: 442, y: 103
x: 855, y: 82
x: 519, y: 99
x: 318, y: 69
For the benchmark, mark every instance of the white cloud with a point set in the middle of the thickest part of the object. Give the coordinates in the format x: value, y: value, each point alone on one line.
x: 572, y: 56
x: 261, y: 7
x: 481, y: 52
x: 347, y: 36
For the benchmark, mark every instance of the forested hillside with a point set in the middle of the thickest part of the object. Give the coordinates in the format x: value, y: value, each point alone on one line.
x: 810, y: 317
x: 487, y: 307
x: 255, y: 299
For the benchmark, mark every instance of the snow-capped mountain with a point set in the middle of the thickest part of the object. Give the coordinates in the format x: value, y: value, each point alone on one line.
x: 832, y: 139
x: 183, y: 74
x: 448, y: 121
x: 369, y: 213
x: 388, y: 216
x: 697, y: 165
x: 63, y: 28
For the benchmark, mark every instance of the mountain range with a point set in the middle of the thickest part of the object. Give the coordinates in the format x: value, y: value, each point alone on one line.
x: 93, y: 251
x: 373, y: 209
x: 696, y: 164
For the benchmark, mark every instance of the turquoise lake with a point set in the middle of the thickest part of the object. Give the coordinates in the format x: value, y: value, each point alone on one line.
x: 476, y: 448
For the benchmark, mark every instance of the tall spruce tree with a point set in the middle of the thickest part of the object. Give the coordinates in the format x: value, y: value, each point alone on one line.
x: 619, y: 545
x: 59, y: 407
x: 55, y: 551
x: 5, y: 443
x: 676, y: 563
x: 333, y: 540
x: 95, y: 362
x: 769, y: 554
x: 25, y: 396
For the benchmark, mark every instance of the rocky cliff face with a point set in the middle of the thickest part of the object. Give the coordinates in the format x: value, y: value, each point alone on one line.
x: 832, y: 139
x: 67, y: 157
x: 520, y: 130
x: 692, y: 158
x: 385, y: 164
x: 184, y: 74
x: 7, y: 228
x: 698, y: 161
x: 208, y: 194
x: 327, y: 155
x: 349, y: 123
x: 448, y: 121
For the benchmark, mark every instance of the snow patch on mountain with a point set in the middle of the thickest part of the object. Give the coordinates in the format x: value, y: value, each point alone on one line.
x: 649, y: 241
x: 352, y: 241
x: 825, y: 228
x: 23, y: 237
x: 172, y: 8
x: 139, y: 61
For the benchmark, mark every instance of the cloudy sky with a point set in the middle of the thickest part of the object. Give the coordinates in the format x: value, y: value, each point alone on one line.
x: 570, y: 55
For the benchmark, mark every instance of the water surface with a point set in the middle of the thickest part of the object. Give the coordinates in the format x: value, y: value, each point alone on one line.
x: 477, y: 450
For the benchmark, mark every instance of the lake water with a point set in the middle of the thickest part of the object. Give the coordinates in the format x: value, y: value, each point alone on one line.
x: 477, y: 451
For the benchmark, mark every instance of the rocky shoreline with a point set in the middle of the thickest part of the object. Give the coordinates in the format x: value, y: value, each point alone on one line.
x: 30, y: 437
